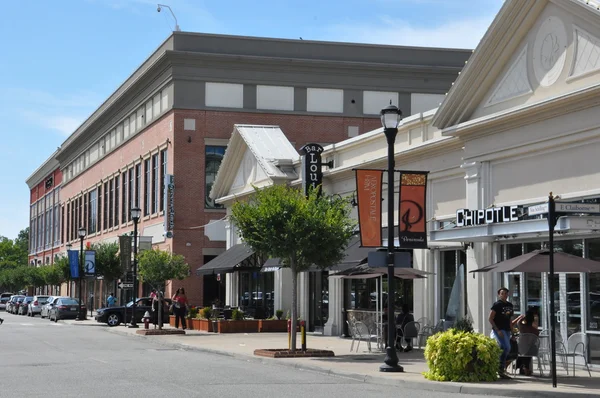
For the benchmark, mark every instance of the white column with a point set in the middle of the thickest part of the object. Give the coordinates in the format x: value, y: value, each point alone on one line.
x: 283, y: 289
x: 303, y: 296
x: 231, y: 289
x: 335, y: 319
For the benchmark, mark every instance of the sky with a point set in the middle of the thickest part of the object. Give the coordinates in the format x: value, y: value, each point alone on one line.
x: 59, y: 60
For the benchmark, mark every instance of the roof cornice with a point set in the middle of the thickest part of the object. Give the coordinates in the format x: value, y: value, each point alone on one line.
x: 511, y: 24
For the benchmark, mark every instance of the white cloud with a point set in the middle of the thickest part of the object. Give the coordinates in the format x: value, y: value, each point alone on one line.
x: 464, y: 33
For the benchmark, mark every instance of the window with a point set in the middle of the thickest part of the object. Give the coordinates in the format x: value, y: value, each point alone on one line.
x: 93, y: 212
x: 84, y: 206
x: 32, y: 228
x: 111, y: 202
x: 163, y: 173
x: 147, y: 184
x: 155, y: 183
x: 212, y: 160
x: 138, y: 180
x: 99, y: 225
x: 105, y: 214
x: 125, y: 191
x: 131, y: 193
x: 116, y: 201
x: 68, y: 225
x: 63, y: 226
x: 454, y: 292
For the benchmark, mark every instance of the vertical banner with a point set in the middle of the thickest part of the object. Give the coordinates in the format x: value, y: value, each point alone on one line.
x: 73, y: 263
x: 412, y: 225
x: 169, y: 200
x: 311, y: 166
x: 90, y: 263
x: 368, y: 192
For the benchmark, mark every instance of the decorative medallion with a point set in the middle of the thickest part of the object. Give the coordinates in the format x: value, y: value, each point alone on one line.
x: 549, y: 51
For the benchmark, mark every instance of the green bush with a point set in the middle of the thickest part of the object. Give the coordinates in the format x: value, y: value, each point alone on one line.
x: 206, y: 312
x: 456, y: 355
x: 237, y: 315
x: 193, y: 312
x: 279, y: 314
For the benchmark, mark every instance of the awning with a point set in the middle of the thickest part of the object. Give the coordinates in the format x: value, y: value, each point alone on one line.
x: 226, y: 261
x: 355, y: 255
x: 365, y: 272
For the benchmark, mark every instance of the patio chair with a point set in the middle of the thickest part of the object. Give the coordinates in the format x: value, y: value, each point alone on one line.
x: 352, y: 333
x: 529, y: 346
x: 376, y: 330
x: 439, y: 327
x: 410, y: 331
x: 425, y: 331
x: 363, y: 333
x: 577, y: 345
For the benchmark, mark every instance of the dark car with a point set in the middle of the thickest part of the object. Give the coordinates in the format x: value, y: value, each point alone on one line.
x: 114, y: 316
x: 65, y: 308
x: 16, y: 303
x: 24, y: 305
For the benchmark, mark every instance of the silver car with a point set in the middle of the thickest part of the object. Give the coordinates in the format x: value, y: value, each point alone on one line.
x: 35, y: 307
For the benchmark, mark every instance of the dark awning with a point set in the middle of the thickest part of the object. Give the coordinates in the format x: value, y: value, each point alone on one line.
x: 355, y: 255
x: 226, y: 261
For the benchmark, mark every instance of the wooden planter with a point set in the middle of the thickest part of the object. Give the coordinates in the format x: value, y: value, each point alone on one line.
x: 272, y: 325
x: 172, y: 320
x: 190, y: 324
x: 245, y: 326
x: 204, y: 325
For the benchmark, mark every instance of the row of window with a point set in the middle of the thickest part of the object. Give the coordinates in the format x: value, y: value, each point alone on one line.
x: 44, y: 222
x: 131, y: 125
x: 109, y: 204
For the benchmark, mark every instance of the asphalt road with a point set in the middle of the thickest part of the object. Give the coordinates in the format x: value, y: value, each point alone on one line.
x: 39, y: 358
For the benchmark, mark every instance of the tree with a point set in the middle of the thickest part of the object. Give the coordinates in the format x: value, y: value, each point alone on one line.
x: 157, y: 266
x: 280, y: 221
x: 108, y: 263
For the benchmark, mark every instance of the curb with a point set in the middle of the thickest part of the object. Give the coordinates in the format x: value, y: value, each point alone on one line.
x: 447, y: 387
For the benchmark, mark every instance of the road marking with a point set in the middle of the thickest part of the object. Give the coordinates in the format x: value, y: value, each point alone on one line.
x: 27, y: 324
x: 98, y: 360
x: 51, y: 345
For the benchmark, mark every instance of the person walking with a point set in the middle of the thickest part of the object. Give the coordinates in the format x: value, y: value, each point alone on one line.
x: 180, y: 303
x: 111, y: 300
x: 500, y: 319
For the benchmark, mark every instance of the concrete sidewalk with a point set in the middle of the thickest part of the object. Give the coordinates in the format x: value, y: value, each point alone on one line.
x: 364, y: 366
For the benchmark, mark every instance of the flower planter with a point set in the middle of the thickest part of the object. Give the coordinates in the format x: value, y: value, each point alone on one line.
x: 172, y: 320
x: 245, y: 326
x: 190, y: 324
x: 204, y: 325
x: 272, y: 325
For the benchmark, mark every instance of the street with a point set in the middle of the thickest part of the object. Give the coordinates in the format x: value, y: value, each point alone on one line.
x: 47, y: 359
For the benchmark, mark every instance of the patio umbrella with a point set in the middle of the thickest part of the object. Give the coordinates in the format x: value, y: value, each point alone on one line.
x: 538, y: 261
x: 366, y: 272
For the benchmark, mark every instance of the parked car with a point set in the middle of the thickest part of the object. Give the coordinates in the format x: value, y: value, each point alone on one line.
x: 35, y: 307
x: 114, y: 316
x: 15, y: 303
x: 65, y: 308
x: 11, y: 302
x: 49, y: 303
x: 3, y: 301
x: 23, y: 307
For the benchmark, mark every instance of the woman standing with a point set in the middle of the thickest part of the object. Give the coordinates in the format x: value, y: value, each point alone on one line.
x: 180, y: 303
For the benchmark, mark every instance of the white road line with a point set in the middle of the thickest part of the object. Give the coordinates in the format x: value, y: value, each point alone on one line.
x: 98, y: 360
x: 27, y: 324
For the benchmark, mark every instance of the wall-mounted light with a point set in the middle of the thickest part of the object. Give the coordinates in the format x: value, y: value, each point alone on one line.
x: 189, y: 138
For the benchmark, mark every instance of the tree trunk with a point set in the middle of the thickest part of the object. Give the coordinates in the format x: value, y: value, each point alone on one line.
x: 160, y: 310
x: 294, y: 301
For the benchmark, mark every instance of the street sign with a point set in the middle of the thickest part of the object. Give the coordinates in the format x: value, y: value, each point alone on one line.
x: 564, y: 208
x: 125, y: 285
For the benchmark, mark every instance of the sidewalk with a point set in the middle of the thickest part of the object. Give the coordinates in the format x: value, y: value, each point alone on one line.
x: 364, y: 366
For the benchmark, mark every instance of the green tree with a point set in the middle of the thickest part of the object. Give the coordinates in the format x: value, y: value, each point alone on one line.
x: 280, y: 221
x: 157, y: 266
x: 108, y: 263
x: 53, y: 274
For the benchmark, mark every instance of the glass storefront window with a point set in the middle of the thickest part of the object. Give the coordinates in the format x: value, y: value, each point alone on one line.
x: 453, y: 278
x: 593, y: 253
x: 256, y: 293
x: 513, y: 283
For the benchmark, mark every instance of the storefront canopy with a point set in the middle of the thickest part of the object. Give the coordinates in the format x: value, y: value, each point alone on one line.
x: 355, y: 255
x: 226, y: 261
x: 538, y: 261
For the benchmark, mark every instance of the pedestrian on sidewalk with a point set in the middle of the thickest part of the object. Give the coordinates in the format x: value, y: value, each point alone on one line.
x: 111, y: 300
x: 500, y: 319
x: 180, y: 303
x: 156, y: 300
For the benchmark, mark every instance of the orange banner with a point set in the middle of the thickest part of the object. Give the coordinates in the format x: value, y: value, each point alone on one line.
x: 412, y: 225
x: 368, y: 188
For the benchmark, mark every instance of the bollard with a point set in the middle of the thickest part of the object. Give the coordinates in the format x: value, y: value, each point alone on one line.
x: 289, y: 334
x: 303, y: 334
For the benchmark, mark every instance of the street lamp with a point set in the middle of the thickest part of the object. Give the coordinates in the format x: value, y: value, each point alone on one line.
x: 135, y: 216
x: 390, y: 118
x: 82, y: 232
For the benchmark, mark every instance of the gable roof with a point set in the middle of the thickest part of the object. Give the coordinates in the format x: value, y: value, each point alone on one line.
x: 501, y: 41
x: 273, y: 152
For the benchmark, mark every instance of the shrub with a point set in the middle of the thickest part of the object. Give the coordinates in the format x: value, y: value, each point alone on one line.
x: 206, y: 312
x: 464, y: 324
x: 279, y: 314
x: 193, y: 312
x: 456, y: 355
x: 237, y: 315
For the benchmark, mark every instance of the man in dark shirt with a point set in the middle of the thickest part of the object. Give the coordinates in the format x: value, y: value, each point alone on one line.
x: 500, y: 319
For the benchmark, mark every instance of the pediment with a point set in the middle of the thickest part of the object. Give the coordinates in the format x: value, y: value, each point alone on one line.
x: 554, y: 52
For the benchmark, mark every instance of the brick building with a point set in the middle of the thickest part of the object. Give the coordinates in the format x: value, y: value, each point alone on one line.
x: 174, y: 115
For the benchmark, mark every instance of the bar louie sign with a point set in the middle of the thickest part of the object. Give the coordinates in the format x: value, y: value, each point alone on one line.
x: 493, y: 215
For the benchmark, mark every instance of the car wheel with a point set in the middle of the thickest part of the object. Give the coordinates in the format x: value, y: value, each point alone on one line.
x: 113, y: 320
x: 55, y: 318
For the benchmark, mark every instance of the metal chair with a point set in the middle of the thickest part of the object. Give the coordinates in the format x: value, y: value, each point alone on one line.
x: 425, y: 331
x: 576, y: 347
x: 409, y: 332
x: 363, y: 333
x: 352, y: 332
x: 529, y: 347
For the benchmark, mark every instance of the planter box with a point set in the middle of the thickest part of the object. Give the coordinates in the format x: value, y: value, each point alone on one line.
x: 172, y: 320
x: 203, y: 325
x: 270, y: 325
x: 190, y: 324
x: 245, y: 326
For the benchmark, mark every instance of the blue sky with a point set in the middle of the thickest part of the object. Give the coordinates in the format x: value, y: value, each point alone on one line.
x: 59, y: 60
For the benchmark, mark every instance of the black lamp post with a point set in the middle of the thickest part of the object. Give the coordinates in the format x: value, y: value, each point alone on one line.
x: 135, y: 216
x: 82, y: 232
x: 390, y: 118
